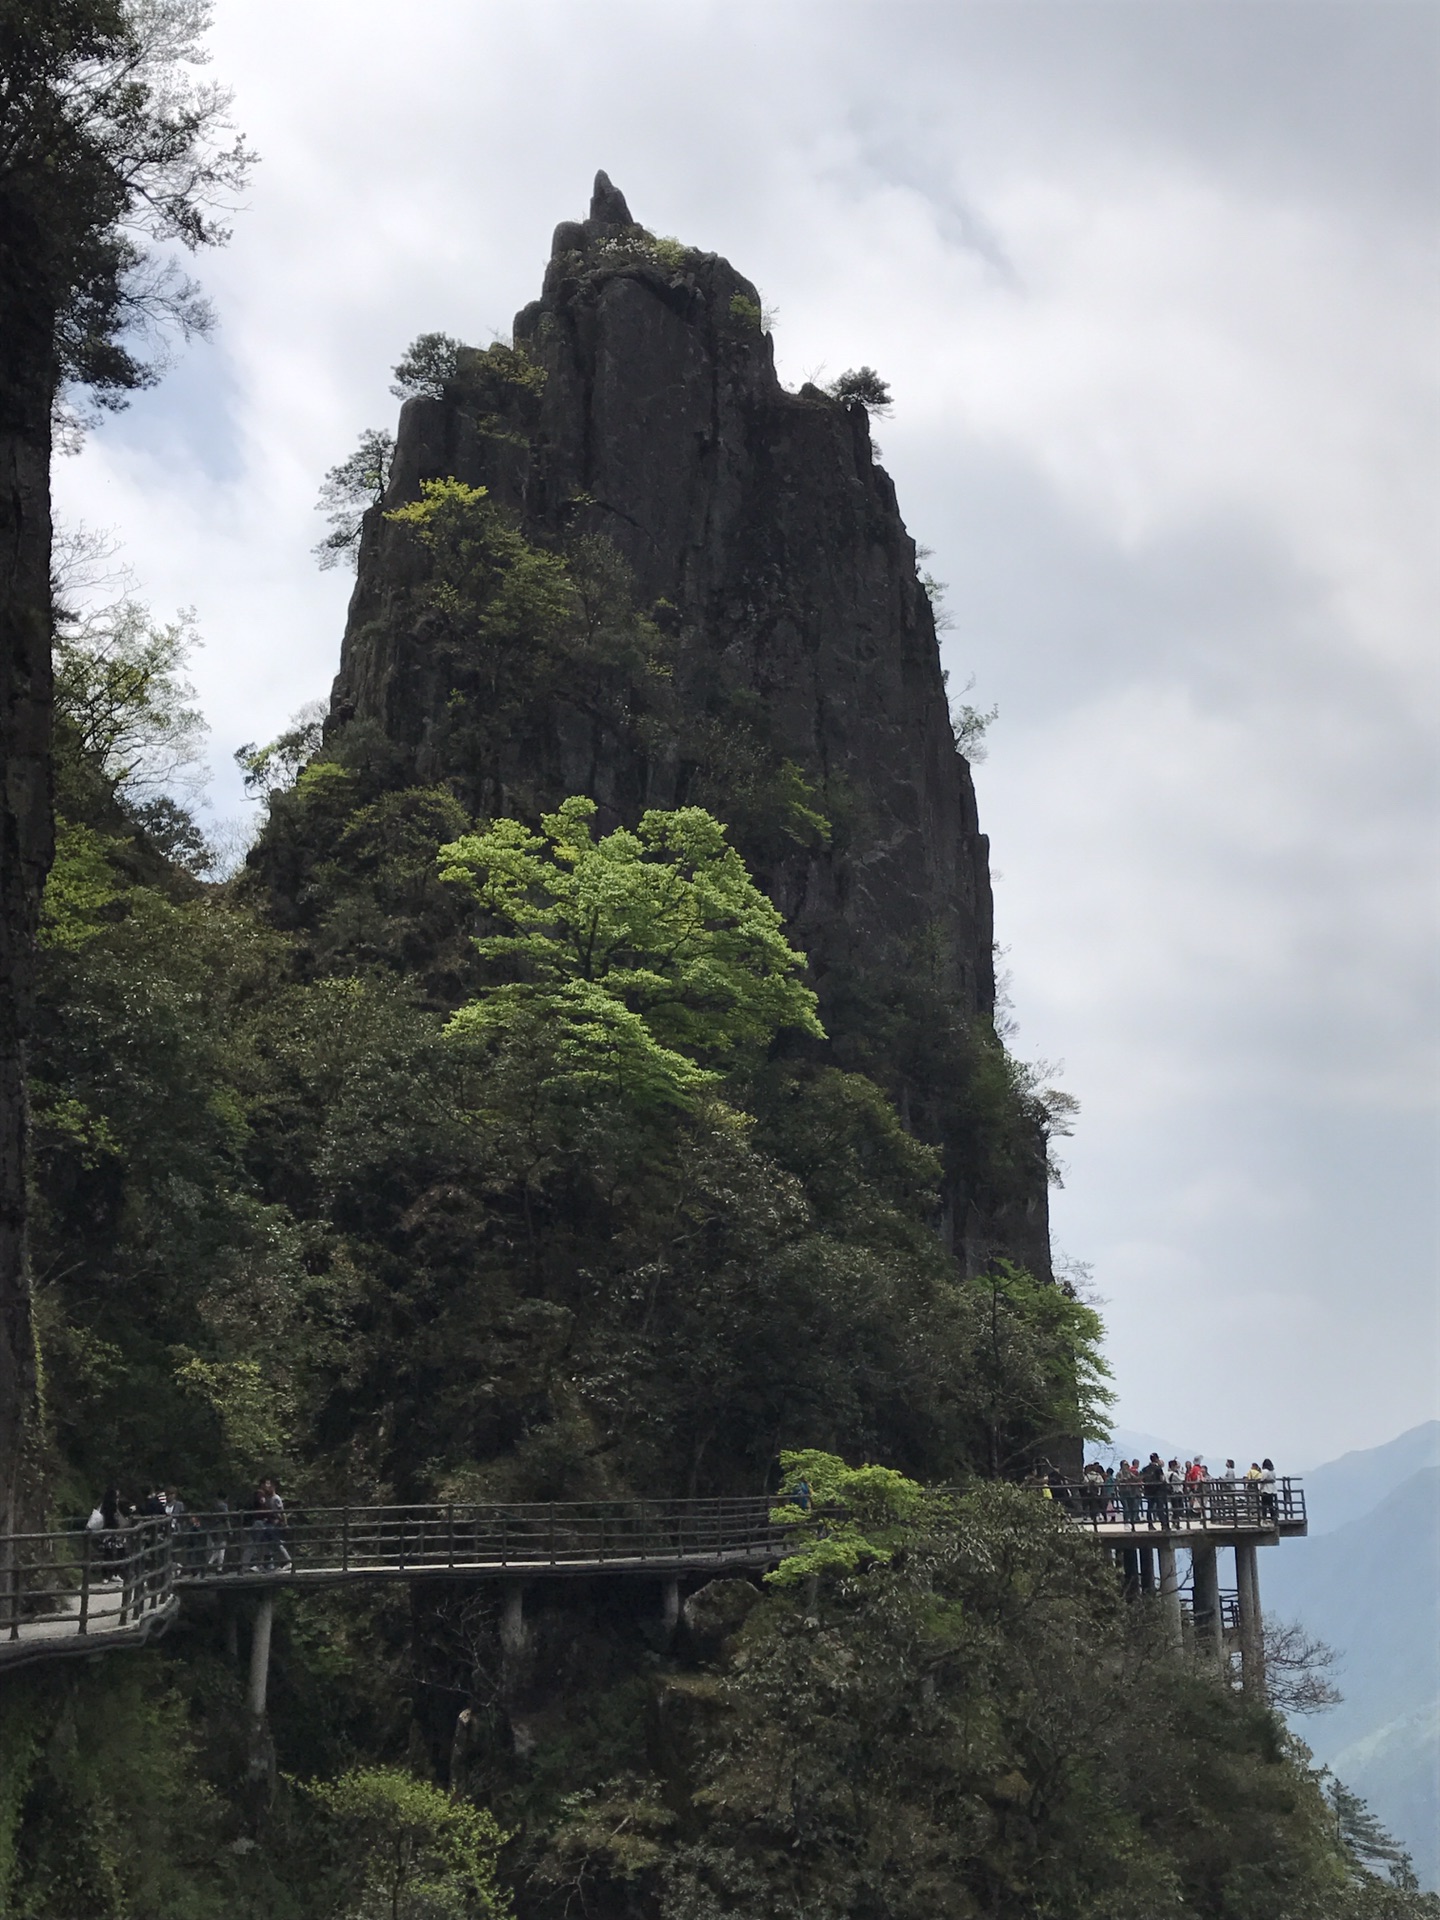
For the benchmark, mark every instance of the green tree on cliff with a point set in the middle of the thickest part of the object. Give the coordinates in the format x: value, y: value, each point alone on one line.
x: 651, y: 957
x: 106, y: 148
x: 348, y: 491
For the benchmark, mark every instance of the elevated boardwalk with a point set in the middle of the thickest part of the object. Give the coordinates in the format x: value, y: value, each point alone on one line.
x: 78, y: 1593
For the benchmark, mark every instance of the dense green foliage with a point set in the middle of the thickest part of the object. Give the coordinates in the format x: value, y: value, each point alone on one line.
x: 456, y: 1153
x: 406, y: 1848
x: 978, y: 1724
x: 648, y: 952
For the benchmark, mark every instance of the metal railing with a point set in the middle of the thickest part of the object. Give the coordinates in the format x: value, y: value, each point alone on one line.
x: 60, y: 1587
x: 62, y: 1592
x: 1219, y: 1506
x: 339, y: 1543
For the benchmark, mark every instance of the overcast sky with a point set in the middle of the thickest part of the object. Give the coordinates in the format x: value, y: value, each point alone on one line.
x: 1155, y: 286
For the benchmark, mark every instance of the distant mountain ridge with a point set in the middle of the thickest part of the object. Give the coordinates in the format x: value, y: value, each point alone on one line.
x: 1357, y: 1482
x: 1367, y: 1582
x: 1131, y: 1443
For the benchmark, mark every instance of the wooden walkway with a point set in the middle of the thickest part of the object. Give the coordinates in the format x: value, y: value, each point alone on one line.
x: 80, y: 1593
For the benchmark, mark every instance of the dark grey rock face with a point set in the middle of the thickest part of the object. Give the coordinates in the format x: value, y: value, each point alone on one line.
x: 761, y: 518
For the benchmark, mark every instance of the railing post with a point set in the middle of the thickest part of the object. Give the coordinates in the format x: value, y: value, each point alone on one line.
x: 84, y: 1626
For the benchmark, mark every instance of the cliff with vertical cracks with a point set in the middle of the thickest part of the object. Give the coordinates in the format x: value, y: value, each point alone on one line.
x: 766, y: 539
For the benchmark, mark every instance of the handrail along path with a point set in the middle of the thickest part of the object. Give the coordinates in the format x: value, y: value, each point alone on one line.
x: 79, y: 1592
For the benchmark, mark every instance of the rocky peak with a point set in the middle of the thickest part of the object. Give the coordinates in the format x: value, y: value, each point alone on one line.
x: 607, y: 204
x: 760, y: 521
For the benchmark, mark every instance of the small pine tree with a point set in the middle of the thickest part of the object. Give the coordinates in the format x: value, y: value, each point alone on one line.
x: 1367, y: 1842
x: 348, y: 490
x: 425, y: 366
x: 863, y: 384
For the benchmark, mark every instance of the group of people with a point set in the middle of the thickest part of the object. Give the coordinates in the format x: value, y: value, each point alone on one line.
x: 206, y: 1540
x: 1170, y: 1493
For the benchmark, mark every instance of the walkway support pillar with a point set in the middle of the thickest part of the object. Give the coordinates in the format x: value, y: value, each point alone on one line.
x: 1170, y: 1595
x: 1147, y: 1569
x: 1252, y: 1625
x: 670, y: 1607
x: 260, y: 1762
x: 260, y: 1655
x: 1209, y: 1623
x: 512, y: 1620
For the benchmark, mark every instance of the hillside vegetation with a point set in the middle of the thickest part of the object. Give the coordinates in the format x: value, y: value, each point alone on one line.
x: 511, y: 1162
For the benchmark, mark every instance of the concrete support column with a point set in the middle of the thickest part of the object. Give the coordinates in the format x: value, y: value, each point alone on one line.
x: 1252, y: 1625
x: 260, y: 1655
x: 1170, y: 1595
x: 512, y: 1620
x: 670, y: 1607
x: 1130, y: 1561
x: 260, y: 1759
x: 1147, y: 1569
x: 1205, y: 1581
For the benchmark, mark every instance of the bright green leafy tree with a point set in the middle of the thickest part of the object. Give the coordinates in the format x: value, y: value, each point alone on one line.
x: 652, y: 955
x: 412, y: 1852
x: 511, y: 597
x: 864, y: 1517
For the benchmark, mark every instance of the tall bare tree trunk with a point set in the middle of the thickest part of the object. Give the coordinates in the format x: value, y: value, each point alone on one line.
x: 27, y: 828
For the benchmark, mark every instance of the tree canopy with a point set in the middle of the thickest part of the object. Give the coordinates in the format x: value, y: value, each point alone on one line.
x: 656, y: 941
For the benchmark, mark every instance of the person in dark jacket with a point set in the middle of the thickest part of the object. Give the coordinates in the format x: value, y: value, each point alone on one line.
x: 1157, y: 1491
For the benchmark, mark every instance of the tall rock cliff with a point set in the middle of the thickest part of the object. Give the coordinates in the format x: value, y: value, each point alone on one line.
x: 764, y: 536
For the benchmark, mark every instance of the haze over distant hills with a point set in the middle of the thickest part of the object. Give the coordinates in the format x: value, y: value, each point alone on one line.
x: 1367, y: 1582
x: 1130, y: 1443
x: 1346, y: 1488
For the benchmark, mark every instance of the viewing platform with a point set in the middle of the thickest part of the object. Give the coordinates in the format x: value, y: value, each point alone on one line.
x: 1222, y: 1511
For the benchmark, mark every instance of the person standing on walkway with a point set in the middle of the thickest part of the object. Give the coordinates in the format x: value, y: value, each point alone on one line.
x: 217, y: 1534
x: 274, y: 1508
x: 1175, y: 1481
x: 1269, y: 1505
x: 255, y: 1522
x: 1156, y: 1491
x: 1129, y: 1481
x: 1229, y: 1481
x: 1093, y: 1493
x: 1195, y: 1475
x: 111, y: 1526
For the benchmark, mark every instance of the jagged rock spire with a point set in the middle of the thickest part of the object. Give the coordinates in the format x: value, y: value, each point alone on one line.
x: 607, y: 204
